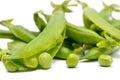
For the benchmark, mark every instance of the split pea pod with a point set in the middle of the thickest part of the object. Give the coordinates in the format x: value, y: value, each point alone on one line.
x: 18, y: 31
x: 101, y: 23
x: 44, y: 41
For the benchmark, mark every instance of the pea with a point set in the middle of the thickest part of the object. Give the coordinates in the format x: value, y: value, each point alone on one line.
x: 10, y: 66
x: 31, y: 62
x: 45, y: 60
x: 105, y: 60
x: 72, y: 60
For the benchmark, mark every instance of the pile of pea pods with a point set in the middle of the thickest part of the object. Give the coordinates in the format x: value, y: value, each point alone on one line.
x: 59, y: 39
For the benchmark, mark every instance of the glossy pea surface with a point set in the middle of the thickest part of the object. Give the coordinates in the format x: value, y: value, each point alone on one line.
x: 45, y: 60
x: 105, y: 60
x: 72, y: 60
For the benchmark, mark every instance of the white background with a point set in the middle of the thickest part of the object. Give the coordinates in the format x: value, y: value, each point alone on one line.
x: 22, y: 12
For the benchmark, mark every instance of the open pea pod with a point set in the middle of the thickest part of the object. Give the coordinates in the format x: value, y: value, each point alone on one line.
x: 44, y: 41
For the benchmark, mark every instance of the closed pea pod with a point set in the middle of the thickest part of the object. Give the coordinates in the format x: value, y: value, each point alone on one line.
x: 63, y: 53
x: 39, y: 21
x: 18, y: 31
x: 101, y: 23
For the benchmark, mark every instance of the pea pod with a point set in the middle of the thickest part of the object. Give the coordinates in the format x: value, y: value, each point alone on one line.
x: 44, y: 41
x: 39, y: 21
x: 15, y: 44
x: 101, y: 23
x: 83, y: 35
x: 95, y: 52
x: 115, y: 23
x: 63, y: 53
x: 18, y: 31
x: 9, y: 35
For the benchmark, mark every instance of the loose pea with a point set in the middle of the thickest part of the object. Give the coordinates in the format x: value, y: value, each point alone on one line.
x: 105, y: 60
x: 45, y: 60
x: 72, y: 60
x: 31, y: 62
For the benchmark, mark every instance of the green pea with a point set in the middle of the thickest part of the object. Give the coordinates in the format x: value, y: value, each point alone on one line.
x: 45, y: 60
x: 105, y: 60
x: 10, y: 66
x: 72, y: 60
x: 31, y: 62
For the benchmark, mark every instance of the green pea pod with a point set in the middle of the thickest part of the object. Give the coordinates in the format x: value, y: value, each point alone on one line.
x: 87, y: 22
x: 115, y: 23
x: 18, y: 31
x: 54, y: 51
x: 101, y: 23
x: 7, y: 35
x: 15, y: 44
x: 39, y: 21
x: 44, y: 41
x: 82, y: 35
x: 63, y: 53
x: 95, y: 52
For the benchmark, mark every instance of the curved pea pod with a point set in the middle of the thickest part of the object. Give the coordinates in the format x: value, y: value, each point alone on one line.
x: 101, y: 23
x: 18, y: 31
x: 93, y: 54
x: 63, y: 53
x: 39, y: 21
x: 115, y: 23
x: 44, y: 41
x: 54, y: 50
x: 82, y: 35
x: 15, y: 44
x: 87, y: 22
x: 7, y: 35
